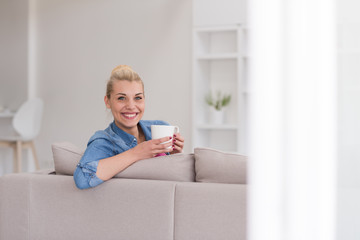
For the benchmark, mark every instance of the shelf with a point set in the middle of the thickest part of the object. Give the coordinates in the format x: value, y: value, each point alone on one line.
x: 219, y: 62
x: 217, y: 127
x: 218, y: 56
x: 218, y: 28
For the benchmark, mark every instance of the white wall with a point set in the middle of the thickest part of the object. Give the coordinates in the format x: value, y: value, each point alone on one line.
x: 74, y: 45
x: 78, y: 44
x: 13, y: 53
x: 13, y: 66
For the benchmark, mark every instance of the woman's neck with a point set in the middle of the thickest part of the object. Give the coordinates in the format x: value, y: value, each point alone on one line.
x: 137, y: 132
x: 141, y: 136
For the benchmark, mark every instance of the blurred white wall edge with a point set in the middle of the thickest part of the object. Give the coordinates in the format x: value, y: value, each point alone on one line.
x: 292, y: 167
x: 348, y: 120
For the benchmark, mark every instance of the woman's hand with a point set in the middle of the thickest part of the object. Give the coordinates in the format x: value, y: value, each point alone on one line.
x: 151, y: 148
x: 109, y: 167
x: 178, y: 143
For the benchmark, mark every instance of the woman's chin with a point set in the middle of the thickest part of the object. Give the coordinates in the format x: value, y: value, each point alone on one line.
x: 128, y: 123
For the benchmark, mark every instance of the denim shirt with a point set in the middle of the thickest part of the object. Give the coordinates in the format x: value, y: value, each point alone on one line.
x: 104, y: 144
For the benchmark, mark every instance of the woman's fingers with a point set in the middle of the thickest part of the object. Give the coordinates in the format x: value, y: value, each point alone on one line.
x: 163, y: 145
x: 162, y: 149
x: 174, y: 144
x: 179, y: 140
x: 162, y: 140
x: 177, y: 149
x: 153, y: 147
x: 178, y: 143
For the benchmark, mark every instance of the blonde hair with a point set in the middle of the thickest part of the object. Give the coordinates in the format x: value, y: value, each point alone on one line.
x: 122, y: 73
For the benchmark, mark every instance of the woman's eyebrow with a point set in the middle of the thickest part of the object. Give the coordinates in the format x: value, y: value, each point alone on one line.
x: 125, y: 94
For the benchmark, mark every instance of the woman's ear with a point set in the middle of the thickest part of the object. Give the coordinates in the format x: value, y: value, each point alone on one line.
x: 107, y: 102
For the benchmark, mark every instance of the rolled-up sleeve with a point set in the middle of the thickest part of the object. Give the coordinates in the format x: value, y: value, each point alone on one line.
x: 85, y: 172
x: 85, y: 175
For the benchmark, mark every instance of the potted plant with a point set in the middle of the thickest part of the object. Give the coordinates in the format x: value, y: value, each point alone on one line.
x: 217, y: 104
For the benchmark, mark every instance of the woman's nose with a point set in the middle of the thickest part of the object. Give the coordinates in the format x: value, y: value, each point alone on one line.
x: 130, y: 104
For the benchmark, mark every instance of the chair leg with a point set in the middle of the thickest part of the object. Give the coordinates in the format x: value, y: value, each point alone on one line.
x: 37, y: 165
x: 17, y: 157
x: 15, y: 165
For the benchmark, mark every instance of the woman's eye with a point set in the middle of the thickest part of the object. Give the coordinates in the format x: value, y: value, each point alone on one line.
x: 138, y: 98
x: 121, y: 98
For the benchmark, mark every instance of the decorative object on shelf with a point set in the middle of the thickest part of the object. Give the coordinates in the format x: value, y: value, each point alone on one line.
x: 217, y: 105
x: 218, y: 102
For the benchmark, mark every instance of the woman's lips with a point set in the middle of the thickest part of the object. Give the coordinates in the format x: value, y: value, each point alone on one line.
x: 129, y: 115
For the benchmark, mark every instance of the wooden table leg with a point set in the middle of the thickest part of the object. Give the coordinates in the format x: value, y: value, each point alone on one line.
x: 18, y: 159
x: 36, y: 160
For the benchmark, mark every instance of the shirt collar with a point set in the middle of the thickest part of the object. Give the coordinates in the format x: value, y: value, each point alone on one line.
x: 146, y: 130
x: 128, y: 138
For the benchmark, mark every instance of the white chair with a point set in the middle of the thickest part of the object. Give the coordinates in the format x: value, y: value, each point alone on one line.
x: 26, y: 123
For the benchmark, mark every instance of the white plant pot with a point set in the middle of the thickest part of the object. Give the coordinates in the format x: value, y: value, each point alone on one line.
x: 216, y: 117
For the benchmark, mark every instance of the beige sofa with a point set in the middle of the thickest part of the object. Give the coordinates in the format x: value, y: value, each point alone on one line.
x: 182, y: 196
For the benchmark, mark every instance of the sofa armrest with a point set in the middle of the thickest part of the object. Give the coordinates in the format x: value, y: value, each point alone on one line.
x: 14, y: 206
x: 40, y: 206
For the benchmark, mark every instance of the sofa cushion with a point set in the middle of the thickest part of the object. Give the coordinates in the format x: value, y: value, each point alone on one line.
x: 66, y: 157
x: 210, y: 211
x: 177, y: 167
x: 219, y: 167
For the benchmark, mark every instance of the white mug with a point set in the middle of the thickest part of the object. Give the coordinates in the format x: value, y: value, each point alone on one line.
x: 160, y: 131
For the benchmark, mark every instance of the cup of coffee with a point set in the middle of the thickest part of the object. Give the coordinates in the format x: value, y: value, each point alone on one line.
x: 160, y: 131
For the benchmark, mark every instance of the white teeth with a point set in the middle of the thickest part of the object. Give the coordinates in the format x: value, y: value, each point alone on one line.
x: 130, y: 115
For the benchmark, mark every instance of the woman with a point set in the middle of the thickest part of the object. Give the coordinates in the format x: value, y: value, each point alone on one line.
x: 128, y: 138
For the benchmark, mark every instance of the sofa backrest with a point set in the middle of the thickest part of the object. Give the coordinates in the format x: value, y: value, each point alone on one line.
x: 214, y: 166
x: 39, y: 206
x: 177, y: 167
x: 205, y: 165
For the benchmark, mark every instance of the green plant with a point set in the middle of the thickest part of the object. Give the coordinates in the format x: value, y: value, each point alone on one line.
x: 219, y: 101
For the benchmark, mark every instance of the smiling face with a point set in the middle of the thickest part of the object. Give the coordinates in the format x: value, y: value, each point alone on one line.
x: 127, y: 104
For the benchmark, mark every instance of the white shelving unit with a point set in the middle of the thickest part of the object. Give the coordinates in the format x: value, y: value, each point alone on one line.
x: 219, y: 64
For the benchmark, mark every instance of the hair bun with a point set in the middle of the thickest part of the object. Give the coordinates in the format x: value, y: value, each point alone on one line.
x: 122, y: 72
x: 121, y: 67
